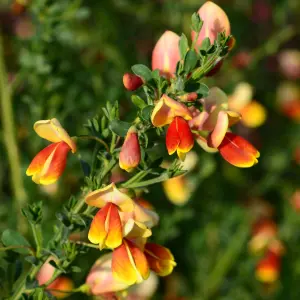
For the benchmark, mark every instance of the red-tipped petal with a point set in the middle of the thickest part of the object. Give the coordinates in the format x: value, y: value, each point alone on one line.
x: 114, y: 235
x: 268, y: 268
x: 218, y: 134
x: 185, y: 135
x: 59, y: 287
x: 172, y: 138
x: 160, y: 259
x: 237, y: 151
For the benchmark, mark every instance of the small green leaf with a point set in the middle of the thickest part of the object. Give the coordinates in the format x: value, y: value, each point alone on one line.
x: 146, y: 113
x: 196, y: 22
x: 179, y: 84
x: 205, y: 45
x: 13, y: 238
x: 157, y: 151
x: 75, y: 269
x: 190, y: 61
x: 119, y: 127
x: 142, y: 71
x: 155, y: 75
x: 138, y: 101
x: 183, y: 46
x: 203, y: 90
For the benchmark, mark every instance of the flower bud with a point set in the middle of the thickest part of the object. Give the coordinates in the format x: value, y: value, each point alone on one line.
x: 132, y: 82
x: 165, y: 55
x: 130, y: 155
x: 268, y: 268
x: 215, y: 21
x: 191, y: 97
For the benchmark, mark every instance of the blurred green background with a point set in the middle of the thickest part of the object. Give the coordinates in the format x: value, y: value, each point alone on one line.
x: 65, y: 59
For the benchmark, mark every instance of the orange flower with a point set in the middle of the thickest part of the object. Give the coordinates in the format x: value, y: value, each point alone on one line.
x: 165, y: 55
x: 237, y: 151
x: 215, y: 118
x: 129, y: 264
x: 132, y: 82
x: 49, y: 164
x: 61, y: 283
x: 106, y: 227
x: 179, y: 137
x: 166, y: 109
x: 100, y: 278
x: 268, y: 268
x: 215, y: 21
x: 160, y: 259
x: 130, y: 155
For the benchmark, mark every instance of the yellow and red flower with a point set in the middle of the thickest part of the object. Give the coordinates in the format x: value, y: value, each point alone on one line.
x: 268, y: 268
x: 49, y: 164
x: 166, y: 109
x: 237, y: 151
x: 165, y: 55
x: 129, y: 263
x: 160, y: 259
x: 179, y: 137
x: 215, y: 21
x: 130, y: 155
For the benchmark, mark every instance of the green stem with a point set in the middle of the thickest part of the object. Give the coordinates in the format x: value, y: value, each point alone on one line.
x: 113, y: 142
x: 10, y: 141
x: 17, y: 247
x: 38, y: 238
x: 95, y: 138
x: 161, y: 178
x: 87, y: 244
x: 227, y: 260
x: 136, y: 178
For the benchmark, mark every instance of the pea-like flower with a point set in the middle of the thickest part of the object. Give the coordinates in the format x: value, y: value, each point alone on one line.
x: 130, y: 155
x: 268, y: 268
x: 166, y: 55
x: 49, y: 164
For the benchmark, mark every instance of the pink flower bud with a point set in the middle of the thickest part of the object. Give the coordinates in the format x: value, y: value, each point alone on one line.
x: 130, y: 154
x: 215, y: 21
x: 165, y: 55
x: 132, y: 82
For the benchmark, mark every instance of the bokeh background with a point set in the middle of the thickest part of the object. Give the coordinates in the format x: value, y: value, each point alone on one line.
x: 65, y: 59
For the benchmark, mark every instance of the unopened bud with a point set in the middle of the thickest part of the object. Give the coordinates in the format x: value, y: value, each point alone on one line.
x: 191, y: 97
x: 132, y: 82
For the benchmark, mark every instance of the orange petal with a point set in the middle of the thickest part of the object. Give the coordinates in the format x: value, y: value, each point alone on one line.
x: 176, y: 190
x: 130, y: 154
x: 218, y: 134
x: 198, y: 121
x: 233, y: 117
x: 160, y: 259
x: 123, y: 265
x: 172, y: 138
x: 202, y: 142
x: 60, y: 286
x: 52, y: 131
x: 166, y: 54
x: 110, y: 193
x: 47, y: 170
x: 132, y: 82
x: 237, y: 151
x: 267, y: 269
x: 166, y: 109
x: 114, y: 235
x: 253, y: 114
x: 98, y: 232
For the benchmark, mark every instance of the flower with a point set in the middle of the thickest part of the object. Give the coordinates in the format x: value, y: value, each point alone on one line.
x: 61, y: 283
x: 216, y: 118
x: 179, y: 137
x: 166, y: 109
x: 160, y: 259
x: 132, y: 82
x: 129, y: 263
x: 237, y: 151
x: 49, y: 164
x: 215, y: 21
x: 100, y: 278
x: 177, y: 190
x: 289, y: 63
x: 268, y: 268
x: 252, y: 112
x: 130, y: 155
x: 165, y: 55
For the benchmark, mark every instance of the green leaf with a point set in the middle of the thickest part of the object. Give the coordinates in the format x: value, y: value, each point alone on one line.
x: 138, y: 101
x: 75, y: 269
x: 179, y: 84
x: 157, y: 151
x: 183, y: 46
x: 203, y: 90
x: 13, y: 238
x: 120, y: 128
x: 205, y: 45
x: 142, y: 71
x: 146, y: 113
x: 196, y: 22
x: 190, y: 61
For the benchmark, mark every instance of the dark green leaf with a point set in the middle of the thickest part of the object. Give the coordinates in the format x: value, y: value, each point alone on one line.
x: 14, y: 238
x: 157, y: 151
x: 142, y: 71
x: 119, y: 127
x: 146, y: 113
x: 190, y: 61
x: 138, y: 101
x: 183, y: 46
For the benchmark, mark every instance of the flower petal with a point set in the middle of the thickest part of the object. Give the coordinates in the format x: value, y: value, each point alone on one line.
x: 110, y: 193
x: 253, y: 114
x: 114, y: 235
x: 185, y: 135
x: 237, y: 151
x: 60, y: 286
x: 160, y: 259
x: 52, y: 131
x: 218, y: 134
